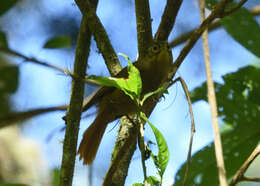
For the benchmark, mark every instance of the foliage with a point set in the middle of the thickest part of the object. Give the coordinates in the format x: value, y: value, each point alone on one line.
x: 58, y: 42
x: 238, y: 107
x: 242, y: 26
x: 6, y: 5
x: 132, y: 86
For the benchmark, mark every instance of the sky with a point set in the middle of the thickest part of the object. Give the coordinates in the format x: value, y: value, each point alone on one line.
x: 31, y: 23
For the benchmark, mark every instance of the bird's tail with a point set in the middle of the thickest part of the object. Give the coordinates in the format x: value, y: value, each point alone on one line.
x: 92, y: 138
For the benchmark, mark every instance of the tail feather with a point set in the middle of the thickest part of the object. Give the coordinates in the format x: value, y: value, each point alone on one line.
x: 91, y: 140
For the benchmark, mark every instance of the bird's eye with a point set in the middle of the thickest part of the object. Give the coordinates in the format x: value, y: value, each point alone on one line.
x: 155, y: 49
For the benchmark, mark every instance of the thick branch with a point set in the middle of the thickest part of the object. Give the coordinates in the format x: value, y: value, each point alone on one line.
x: 100, y: 36
x: 168, y: 19
x: 143, y: 25
x: 74, y: 111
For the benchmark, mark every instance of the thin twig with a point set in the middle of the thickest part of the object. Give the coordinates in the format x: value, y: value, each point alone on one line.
x: 216, y: 12
x: 168, y: 19
x: 142, y: 148
x: 32, y: 60
x: 213, y: 26
x: 186, y: 91
x: 14, y: 117
x: 213, y: 103
x: 239, y: 176
x: 143, y: 26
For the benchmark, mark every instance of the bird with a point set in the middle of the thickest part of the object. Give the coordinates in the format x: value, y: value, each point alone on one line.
x: 113, y: 103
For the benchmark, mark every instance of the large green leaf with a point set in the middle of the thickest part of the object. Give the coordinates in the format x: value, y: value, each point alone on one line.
x: 242, y: 26
x: 58, y: 42
x: 161, y: 160
x: 238, y: 98
x: 238, y: 106
x: 6, y: 5
x: 237, y: 146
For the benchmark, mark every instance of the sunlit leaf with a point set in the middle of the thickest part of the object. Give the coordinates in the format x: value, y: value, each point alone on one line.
x: 138, y: 184
x: 131, y: 86
x: 152, y: 180
x: 158, y: 91
x: 161, y: 160
x: 58, y: 42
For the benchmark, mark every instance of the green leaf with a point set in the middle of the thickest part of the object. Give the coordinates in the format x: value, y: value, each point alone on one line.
x: 243, y: 89
x: 158, y: 91
x: 242, y: 26
x: 55, y: 177
x: 152, y: 180
x: 161, y: 160
x: 138, y: 184
x: 3, y: 41
x: 6, y: 5
x: 238, y: 105
x: 131, y: 86
x: 58, y: 42
x: 8, y: 79
x: 12, y: 184
x: 237, y: 146
x: 134, y: 82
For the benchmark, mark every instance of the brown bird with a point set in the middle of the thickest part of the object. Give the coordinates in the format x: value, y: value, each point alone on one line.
x: 113, y: 103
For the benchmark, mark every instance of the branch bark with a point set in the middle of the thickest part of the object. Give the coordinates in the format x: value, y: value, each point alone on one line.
x: 240, y: 174
x: 168, y: 19
x: 97, y: 29
x: 73, y: 115
x: 143, y: 26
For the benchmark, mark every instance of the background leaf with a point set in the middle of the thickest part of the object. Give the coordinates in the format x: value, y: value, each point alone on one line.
x: 58, y: 42
x: 8, y: 78
x: 238, y: 106
x: 3, y: 41
x: 242, y: 26
x: 6, y: 5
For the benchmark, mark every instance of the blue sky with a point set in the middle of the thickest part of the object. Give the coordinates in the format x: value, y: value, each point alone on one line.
x: 26, y: 30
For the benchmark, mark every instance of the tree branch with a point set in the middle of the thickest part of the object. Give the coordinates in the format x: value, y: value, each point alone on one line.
x: 239, y: 176
x: 143, y: 25
x: 213, y: 103
x: 15, y: 117
x: 216, y: 13
x: 73, y: 115
x: 168, y: 19
x: 32, y: 60
x: 100, y: 36
x: 213, y: 26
